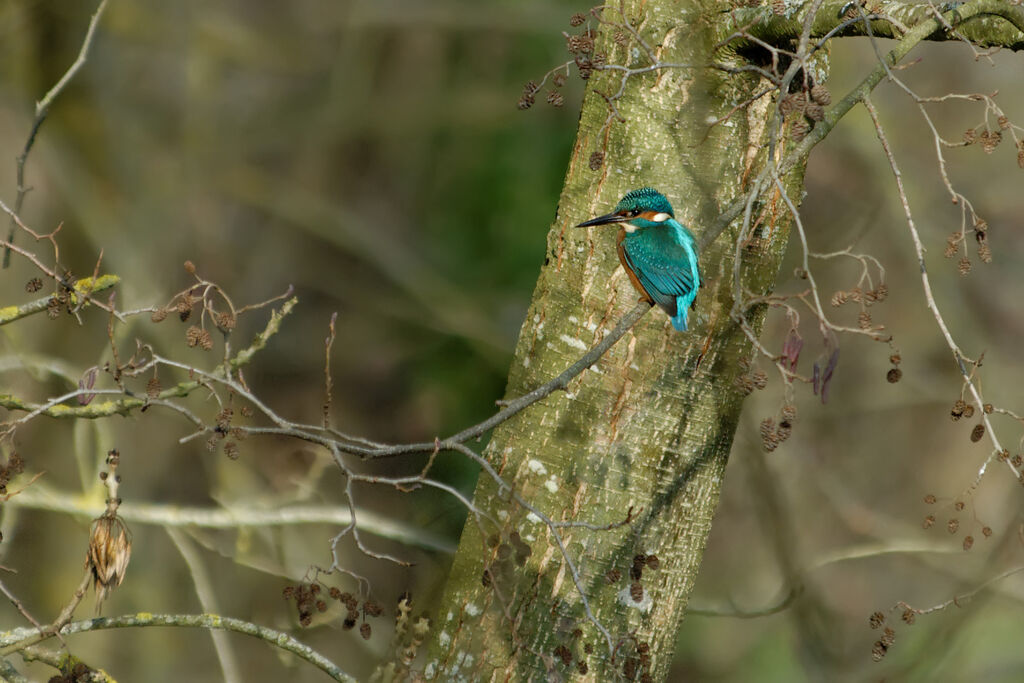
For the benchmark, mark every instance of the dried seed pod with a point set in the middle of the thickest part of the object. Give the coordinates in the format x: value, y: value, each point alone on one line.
x: 876, y: 619
x: 800, y: 129
x: 978, y: 432
x: 888, y: 636
x: 577, y: 19
x: 555, y: 98
x: 110, y: 549
x: 821, y: 95
x: 894, y: 375
x: 814, y: 111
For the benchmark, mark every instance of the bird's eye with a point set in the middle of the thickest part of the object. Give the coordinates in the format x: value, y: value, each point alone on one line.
x: 634, y: 213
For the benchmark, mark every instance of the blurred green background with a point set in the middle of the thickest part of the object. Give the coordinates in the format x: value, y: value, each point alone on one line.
x: 371, y: 155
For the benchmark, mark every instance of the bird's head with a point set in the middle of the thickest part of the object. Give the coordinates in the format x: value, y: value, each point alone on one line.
x: 642, y: 208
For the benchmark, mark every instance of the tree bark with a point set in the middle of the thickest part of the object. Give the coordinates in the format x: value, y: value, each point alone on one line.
x: 649, y: 427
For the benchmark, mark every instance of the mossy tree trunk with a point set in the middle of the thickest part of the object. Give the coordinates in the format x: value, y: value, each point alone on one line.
x: 650, y: 426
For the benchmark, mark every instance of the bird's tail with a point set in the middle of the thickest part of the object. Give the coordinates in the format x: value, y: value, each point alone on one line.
x: 679, y: 319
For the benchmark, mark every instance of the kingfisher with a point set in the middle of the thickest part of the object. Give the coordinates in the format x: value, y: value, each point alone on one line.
x: 658, y: 252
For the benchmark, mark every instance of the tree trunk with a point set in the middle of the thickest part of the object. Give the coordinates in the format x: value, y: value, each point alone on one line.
x: 649, y: 427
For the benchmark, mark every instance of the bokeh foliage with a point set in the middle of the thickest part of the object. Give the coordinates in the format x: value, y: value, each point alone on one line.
x: 371, y: 155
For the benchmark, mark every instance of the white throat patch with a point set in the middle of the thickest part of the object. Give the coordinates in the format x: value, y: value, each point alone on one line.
x: 629, y: 227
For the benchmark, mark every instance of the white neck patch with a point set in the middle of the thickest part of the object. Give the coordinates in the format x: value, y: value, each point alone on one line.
x: 660, y: 217
x: 629, y: 227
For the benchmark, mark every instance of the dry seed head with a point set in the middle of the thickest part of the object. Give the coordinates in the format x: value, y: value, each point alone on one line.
x: 928, y: 522
x: 577, y: 19
x: 953, y: 525
x: 986, y: 531
x: 878, y: 651
x: 788, y: 412
x: 190, y: 268
x: 621, y: 37
x: 1004, y: 122
x: 909, y: 616
x: 153, y: 387
x: 988, y: 408
x: 970, y: 136
x: 964, y: 266
x: 968, y: 542
x: 888, y: 636
x: 744, y: 383
x: 779, y: 7
x: 225, y: 321
x: 839, y: 298
x: 584, y: 65
x: 984, y: 252
x: 821, y: 95
x: 365, y: 630
x: 978, y: 432
x: 990, y: 140
x: 555, y: 98
x: 814, y: 111
x: 784, y: 431
x: 558, y: 79
x: 159, y: 315
x: 33, y: 285
x: 930, y: 499
x: 894, y: 375
x: 184, y: 307
x: 759, y: 378
x: 110, y: 549
x: 968, y: 411
x: 876, y: 619
x: 864, y: 320
x: 636, y: 591
x: 1018, y: 461
x: 800, y: 129
x: 613, y: 576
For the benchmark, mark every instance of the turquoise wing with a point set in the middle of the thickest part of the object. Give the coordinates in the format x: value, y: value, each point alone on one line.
x: 667, y: 272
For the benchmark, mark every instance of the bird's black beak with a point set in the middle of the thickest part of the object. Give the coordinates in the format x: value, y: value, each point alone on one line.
x: 603, y: 220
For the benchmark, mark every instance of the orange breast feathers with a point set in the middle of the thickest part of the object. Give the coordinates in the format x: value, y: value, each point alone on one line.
x: 629, y: 271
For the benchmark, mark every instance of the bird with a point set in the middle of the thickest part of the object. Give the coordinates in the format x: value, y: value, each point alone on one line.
x: 658, y: 252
